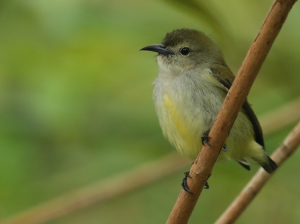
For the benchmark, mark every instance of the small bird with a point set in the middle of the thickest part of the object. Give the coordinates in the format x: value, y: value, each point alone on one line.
x: 192, y: 83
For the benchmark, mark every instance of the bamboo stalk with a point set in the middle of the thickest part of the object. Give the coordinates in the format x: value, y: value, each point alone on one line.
x: 285, y: 150
x: 203, y: 165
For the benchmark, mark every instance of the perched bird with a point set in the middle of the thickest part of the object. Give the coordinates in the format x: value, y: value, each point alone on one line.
x: 192, y: 83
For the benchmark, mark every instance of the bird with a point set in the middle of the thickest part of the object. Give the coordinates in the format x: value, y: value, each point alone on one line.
x: 192, y: 83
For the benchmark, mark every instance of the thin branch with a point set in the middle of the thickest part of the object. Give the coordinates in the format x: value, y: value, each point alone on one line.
x: 281, y: 117
x: 104, y: 190
x: 286, y: 149
x: 203, y: 165
x: 114, y: 186
x: 100, y: 192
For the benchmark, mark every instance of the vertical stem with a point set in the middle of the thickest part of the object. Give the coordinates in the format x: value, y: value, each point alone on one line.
x: 289, y: 145
x: 237, y: 94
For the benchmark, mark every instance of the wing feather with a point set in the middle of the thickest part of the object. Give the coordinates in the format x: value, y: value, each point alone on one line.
x: 226, y: 78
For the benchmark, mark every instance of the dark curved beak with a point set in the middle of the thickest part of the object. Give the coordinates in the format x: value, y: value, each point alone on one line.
x: 159, y: 48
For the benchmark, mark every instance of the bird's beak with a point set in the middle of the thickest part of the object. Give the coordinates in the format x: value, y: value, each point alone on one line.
x: 159, y: 48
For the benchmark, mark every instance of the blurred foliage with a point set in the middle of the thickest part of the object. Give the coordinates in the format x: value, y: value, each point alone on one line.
x: 204, y: 12
x: 76, y: 104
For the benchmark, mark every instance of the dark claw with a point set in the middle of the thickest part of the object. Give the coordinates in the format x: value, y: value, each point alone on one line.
x: 186, y: 187
x: 225, y: 148
x: 204, y: 138
x: 206, y: 186
x: 184, y: 182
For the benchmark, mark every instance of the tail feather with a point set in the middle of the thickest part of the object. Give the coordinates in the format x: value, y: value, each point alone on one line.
x: 245, y: 164
x: 270, y: 166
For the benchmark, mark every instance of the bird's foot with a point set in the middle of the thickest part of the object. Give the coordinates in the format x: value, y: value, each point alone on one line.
x: 206, y: 186
x: 204, y: 138
x: 185, y: 185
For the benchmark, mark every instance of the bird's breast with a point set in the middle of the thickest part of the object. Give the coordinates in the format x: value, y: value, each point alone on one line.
x: 177, y: 117
x: 182, y: 113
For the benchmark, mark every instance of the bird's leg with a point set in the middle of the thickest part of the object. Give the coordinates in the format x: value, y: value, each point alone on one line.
x: 204, y: 140
x: 205, y: 137
x: 185, y: 185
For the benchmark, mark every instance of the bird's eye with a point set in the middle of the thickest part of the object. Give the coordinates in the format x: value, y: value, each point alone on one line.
x: 185, y: 51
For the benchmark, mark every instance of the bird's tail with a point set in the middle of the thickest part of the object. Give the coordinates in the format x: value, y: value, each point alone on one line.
x: 269, y: 165
x: 258, y: 154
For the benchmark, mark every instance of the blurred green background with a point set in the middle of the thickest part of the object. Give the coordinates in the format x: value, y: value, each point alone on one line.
x: 76, y: 104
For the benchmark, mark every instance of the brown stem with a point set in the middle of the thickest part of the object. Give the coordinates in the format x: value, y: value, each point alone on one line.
x: 130, y: 180
x: 202, y: 167
x: 114, y: 186
x: 289, y: 145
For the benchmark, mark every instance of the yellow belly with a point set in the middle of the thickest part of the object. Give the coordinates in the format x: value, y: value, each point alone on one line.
x: 179, y: 131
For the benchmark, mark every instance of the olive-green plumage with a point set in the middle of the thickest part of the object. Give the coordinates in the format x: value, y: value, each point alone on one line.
x: 192, y: 83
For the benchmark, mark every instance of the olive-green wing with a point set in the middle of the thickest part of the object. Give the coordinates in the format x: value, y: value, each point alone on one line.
x: 226, y: 78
